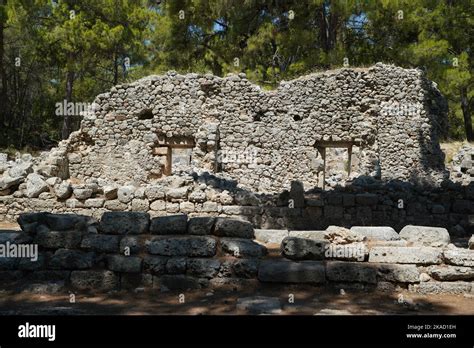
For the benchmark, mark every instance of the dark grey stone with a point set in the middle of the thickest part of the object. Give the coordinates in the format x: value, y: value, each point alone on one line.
x: 124, y: 223
x: 203, y: 268
x: 291, y: 272
x: 155, y: 264
x: 233, y: 228
x: 127, y: 264
x: 101, y: 243
x: 193, y: 246
x: 201, y: 225
x: 342, y: 271
x: 94, y: 280
x: 71, y: 259
x: 303, y: 249
x: 174, y: 224
x: 239, y: 247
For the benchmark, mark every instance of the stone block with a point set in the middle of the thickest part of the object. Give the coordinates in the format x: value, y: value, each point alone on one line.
x: 413, y: 255
x: 240, y: 247
x: 425, y: 235
x: 192, y: 246
x: 127, y: 264
x: 174, y: 224
x: 94, y: 280
x: 341, y: 271
x: 376, y: 232
x: 124, y: 223
x: 201, y: 225
x: 233, y: 228
x: 101, y: 243
x: 291, y: 272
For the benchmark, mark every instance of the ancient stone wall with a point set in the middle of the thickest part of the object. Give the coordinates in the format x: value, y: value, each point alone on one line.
x: 368, y: 202
x: 130, y: 251
x: 262, y: 139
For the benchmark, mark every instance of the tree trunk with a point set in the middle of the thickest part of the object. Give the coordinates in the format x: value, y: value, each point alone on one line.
x: 3, y: 76
x: 115, y: 69
x: 466, y: 112
x: 67, y: 120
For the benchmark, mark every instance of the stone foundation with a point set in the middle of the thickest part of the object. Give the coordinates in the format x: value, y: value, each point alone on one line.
x: 368, y: 203
x: 130, y: 250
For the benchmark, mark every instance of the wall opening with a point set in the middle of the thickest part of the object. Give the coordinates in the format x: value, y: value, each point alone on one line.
x: 146, y: 114
x: 339, y: 162
x: 175, y: 154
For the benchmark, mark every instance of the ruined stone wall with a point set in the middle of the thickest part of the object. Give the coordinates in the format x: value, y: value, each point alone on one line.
x: 268, y: 138
x: 130, y: 251
x: 370, y: 203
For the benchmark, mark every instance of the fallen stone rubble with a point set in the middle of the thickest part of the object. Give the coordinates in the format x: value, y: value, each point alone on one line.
x: 130, y: 250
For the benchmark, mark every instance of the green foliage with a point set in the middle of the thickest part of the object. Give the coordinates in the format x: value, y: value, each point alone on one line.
x: 77, y: 55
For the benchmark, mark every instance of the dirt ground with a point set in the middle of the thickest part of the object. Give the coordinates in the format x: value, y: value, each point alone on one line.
x: 308, y: 300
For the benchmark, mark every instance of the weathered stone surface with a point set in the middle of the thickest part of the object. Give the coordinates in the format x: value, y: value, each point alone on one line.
x: 115, y: 205
x: 366, y: 199
x: 110, y: 192
x: 415, y: 255
x: 376, y: 232
x: 94, y: 203
x: 48, y: 275
x: 442, y: 287
x: 240, y: 247
x: 341, y: 235
x: 178, y: 282
x: 140, y: 205
x: 7, y: 182
x: 449, y: 273
x: 29, y: 221
x: 135, y: 281
x: 203, y: 268
x: 193, y: 246
x: 64, y: 222
x: 21, y: 169
x: 101, y: 243
x: 63, y: 190
x: 291, y: 272
x: 154, y: 192
x: 471, y: 242
x: 460, y: 257
x: 348, y: 252
x: 241, y: 268
x: 270, y: 236
x: 425, y: 235
x: 201, y: 225
x: 124, y: 223
x: 125, y: 194
x: 8, y: 263
x: 82, y: 193
x: 71, y: 259
x: 155, y: 264
x: 259, y: 305
x: 58, y: 239
x: 340, y: 271
x: 174, y: 224
x: 317, y: 235
x: 94, y: 280
x: 132, y: 244
x: 32, y: 265
x: 233, y: 228
x: 35, y: 185
x: 398, y: 273
x: 303, y: 249
x: 127, y: 264
x: 176, y: 265
x: 177, y: 193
